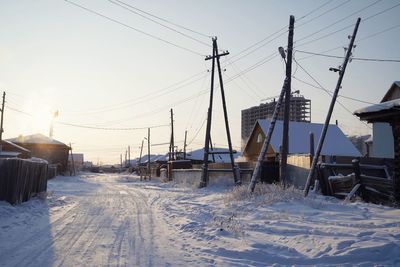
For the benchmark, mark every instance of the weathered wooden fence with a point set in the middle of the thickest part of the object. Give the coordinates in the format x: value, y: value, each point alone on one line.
x: 21, y: 179
x: 373, y: 183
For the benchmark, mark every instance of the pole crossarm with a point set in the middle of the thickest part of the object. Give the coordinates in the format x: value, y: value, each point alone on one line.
x: 207, y: 144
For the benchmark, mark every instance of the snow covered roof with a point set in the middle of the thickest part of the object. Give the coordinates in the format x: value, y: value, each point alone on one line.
x: 35, y: 139
x: 198, y: 154
x: 393, y: 92
x: 336, y: 143
x: 20, y: 148
x: 379, y: 107
x: 9, y: 154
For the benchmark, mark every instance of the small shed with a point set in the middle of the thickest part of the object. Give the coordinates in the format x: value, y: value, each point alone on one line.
x: 41, y: 146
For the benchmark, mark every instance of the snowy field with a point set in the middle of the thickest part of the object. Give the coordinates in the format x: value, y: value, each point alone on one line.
x: 117, y: 220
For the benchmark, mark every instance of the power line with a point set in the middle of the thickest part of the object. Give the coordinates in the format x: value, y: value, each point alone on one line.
x: 132, y: 9
x: 329, y: 93
x: 342, y: 96
x: 324, y: 13
x: 358, y: 41
x: 133, y: 28
x: 194, y: 137
x: 353, y: 58
x: 279, y: 31
x: 338, y: 21
x: 111, y: 129
x: 165, y: 20
x: 254, y: 66
x: 348, y: 26
x: 169, y: 89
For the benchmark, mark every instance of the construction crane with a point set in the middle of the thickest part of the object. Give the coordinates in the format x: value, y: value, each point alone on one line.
x: 273, y: 97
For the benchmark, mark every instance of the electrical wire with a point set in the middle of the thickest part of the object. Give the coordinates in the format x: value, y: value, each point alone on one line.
x: 194, y: 137
x: 347, y: 27
x: 153, y: 95
x: 358, y: 40
x: 329, y: 93
x: 352, y: 58
x: 338, y: 21
x: 135, y: 29
x: 324, y: 13
x: 110, y: 129
x: 165, y: 20
x: 132, y: 9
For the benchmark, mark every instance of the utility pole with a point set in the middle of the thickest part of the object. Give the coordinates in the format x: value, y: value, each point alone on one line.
x: 1, y: 123
x: 171, y: 144
x: 140, y: 160
x: 120, y: 158
x: 126, y: 157
x: 72, y: 159
x: 331, y: 106
x: 148, y: 153
x: 184, y: 146
x: 129, y: 156
x: 286, y: 115
x: 267, y: 140
x: 205, y: 177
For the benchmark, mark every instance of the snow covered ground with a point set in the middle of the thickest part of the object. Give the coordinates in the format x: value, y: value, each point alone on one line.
x: 117, y: 220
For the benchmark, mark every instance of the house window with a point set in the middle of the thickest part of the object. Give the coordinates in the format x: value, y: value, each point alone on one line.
x: 260, y: 138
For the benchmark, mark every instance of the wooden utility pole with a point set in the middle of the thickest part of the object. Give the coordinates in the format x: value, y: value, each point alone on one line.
x: 267, y: 140
x: 286, y: 115
x: 171, y: 144
x: 72, y: 159
x: 184, y: 146
x: 312, y: 150
x: 129, y: 156
x: 126, y: 157
x: 140, y: 160
x: 148, y: 153
x: 216, y: 58
x: 120, y: 158
x: 1, y: 123
x: 331, y: 106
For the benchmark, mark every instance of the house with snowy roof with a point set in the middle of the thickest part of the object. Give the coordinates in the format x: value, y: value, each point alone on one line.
x: 336, y: 143
x: 41, y: 146
x: 11, y: 150
x: 382, y: 134
x: 299, y: 158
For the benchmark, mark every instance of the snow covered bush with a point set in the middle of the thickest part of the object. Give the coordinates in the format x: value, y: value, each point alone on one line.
x: 264, y: 194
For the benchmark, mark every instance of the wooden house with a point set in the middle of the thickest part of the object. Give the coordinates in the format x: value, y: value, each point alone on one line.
x: 387, y: 112
x: 41, y: 146
x: 299, y: 159
x: 10, y: 149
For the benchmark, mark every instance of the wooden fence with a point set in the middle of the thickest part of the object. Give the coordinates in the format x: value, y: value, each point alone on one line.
x: 373, y: 183
x: 21, y: 179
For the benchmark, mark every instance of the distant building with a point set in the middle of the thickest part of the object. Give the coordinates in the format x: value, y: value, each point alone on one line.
x: 78, y: 160
x: 41, y: 146
x: 300, y: 110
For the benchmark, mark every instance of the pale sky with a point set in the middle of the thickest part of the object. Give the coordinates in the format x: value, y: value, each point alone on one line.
x: 56, y: 56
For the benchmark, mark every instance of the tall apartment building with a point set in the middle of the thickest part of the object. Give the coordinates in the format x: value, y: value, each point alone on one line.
x: 300, y: 110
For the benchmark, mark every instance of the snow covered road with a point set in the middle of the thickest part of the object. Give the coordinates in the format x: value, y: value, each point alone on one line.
x: 117, y: 220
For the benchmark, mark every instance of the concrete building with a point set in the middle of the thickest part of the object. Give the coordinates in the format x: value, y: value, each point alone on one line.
x: 300, y: 111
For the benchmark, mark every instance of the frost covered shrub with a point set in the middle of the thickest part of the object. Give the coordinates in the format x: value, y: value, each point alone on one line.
x: 264, y: 194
